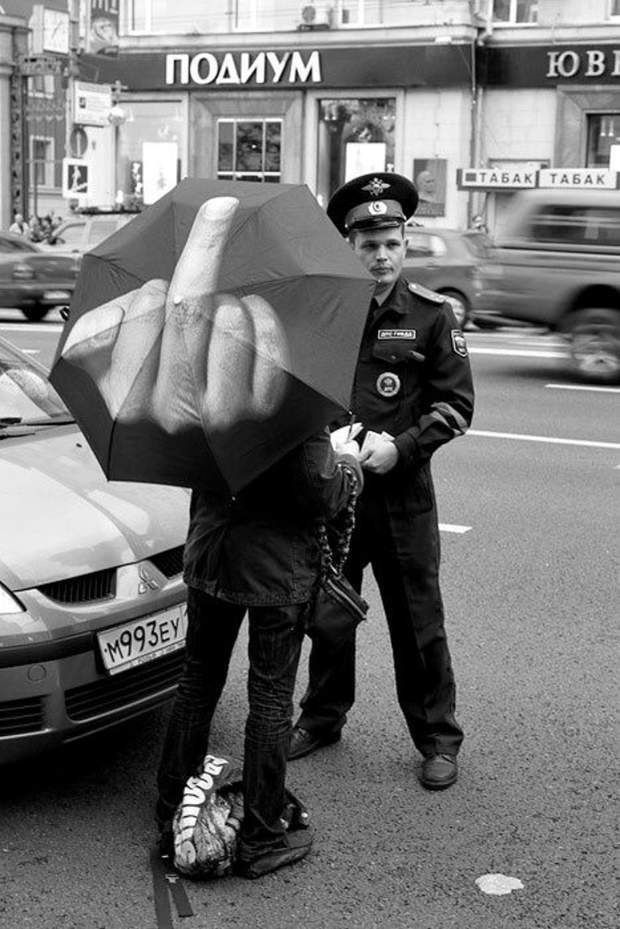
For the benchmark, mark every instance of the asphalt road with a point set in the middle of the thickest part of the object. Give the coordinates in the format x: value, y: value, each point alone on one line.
x: 529, y: 522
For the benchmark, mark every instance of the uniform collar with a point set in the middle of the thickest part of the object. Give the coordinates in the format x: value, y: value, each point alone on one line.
x: 396, y: 301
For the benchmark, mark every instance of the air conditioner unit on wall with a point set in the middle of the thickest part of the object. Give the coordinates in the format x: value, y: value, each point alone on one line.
x: 315, y: 16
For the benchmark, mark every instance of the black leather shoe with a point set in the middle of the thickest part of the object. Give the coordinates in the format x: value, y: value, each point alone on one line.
x: 438, y: 772
x: 293, y: 847
x: 304, y: 742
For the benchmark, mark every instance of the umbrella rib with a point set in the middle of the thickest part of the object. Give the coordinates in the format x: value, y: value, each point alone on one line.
x: 296, y: 277
x: 115, y: 264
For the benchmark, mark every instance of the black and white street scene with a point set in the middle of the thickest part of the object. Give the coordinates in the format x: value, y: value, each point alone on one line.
x: 309, y: 458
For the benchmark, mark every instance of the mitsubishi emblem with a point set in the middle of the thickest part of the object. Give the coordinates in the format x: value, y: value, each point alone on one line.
x: 147, y: 581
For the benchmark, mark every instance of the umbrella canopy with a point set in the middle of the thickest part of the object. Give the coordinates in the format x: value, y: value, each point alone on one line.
x: 212, y: 334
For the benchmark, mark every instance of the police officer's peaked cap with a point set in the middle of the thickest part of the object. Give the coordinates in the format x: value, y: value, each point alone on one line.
x: 373, y: 201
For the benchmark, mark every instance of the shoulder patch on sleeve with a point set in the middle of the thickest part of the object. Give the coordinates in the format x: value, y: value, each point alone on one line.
x: 425, y: 294
x: 459, y: 345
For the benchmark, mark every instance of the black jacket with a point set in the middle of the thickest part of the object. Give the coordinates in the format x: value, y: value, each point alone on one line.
x: 259, y: 547
x: 413, y: 380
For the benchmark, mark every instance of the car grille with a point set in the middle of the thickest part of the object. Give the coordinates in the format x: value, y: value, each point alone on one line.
x: 169, y: 562
x: 19, y: 716
x: 112, y: 693
x: 100, y: 585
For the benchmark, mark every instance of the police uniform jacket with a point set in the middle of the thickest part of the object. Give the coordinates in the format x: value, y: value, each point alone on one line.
x: 413, y: 381
x: 259, y: 547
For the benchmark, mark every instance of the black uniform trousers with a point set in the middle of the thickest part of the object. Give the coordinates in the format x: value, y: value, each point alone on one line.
x: 403, y: 550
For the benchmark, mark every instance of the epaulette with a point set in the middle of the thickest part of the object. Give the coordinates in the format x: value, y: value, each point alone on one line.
x: 425, y: 294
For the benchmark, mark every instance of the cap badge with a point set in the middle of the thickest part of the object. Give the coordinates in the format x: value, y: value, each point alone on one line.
x: 388, y: 384
x: 376, y: 187
x: 377, y: 208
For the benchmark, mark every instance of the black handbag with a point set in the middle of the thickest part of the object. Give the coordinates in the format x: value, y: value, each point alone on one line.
x: 338, y: 608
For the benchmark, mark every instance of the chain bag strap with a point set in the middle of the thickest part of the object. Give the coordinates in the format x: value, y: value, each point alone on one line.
x: 338, y: 607
x: 332, y: 561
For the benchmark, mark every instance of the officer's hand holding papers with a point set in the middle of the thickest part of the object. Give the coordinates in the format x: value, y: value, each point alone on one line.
x: 378, y: 453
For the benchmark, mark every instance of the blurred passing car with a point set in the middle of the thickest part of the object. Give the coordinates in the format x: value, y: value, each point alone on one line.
x: 445, y: 260
x: 92, y: 602
x: 557, y: 265
x: 34, y: 279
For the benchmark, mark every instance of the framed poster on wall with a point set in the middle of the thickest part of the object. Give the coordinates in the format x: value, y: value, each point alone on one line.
x: 429, y: 177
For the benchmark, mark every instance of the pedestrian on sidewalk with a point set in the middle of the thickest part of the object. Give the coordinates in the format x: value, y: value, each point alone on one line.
x: 19, y: 226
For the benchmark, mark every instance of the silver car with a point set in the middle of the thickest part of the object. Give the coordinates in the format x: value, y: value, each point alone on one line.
x: 92, y: 602
x: 446, y: 260
x: 557, y: 264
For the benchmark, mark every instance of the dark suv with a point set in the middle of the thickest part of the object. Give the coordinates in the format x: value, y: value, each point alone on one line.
x: 557, y: 264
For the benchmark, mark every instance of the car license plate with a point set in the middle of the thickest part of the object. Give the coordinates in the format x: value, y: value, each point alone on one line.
x: 56, y: 295
x: 143, y: 639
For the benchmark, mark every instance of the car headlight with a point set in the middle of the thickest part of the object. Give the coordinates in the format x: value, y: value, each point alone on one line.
x: 8, y: 602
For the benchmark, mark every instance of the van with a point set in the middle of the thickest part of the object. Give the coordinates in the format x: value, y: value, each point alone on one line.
x: 557, y: 265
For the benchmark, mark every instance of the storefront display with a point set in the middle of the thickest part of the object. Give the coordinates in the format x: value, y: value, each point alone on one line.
x: 151, y: 150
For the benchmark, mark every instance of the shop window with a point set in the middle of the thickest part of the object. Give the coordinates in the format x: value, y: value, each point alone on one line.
x: 515, y: 11
x: 41, y: 162
x: 355, y: 137
x: 249, y: 150
x: 150, y: 151
x: 603, y: 133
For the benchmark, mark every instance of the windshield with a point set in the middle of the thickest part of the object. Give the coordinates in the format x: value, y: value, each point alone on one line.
x: 478, y: 243
x: 26, y: 396
x: 70, y: 235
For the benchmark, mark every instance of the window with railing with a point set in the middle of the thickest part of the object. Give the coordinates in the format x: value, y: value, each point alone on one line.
x: 187, y: 17
x: 520, y: 12
x: 614, y: 8
x: 249, y: 150
x: 41, y: 162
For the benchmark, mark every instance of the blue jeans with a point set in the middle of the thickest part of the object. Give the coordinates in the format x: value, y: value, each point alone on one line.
x: 275, y: 638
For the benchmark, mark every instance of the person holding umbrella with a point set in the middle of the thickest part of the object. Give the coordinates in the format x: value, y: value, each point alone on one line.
x: 254, y: 551
x: 413, y: 392
x: 209, y: 343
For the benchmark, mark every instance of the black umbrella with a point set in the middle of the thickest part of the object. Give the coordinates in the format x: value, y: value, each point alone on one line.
x: 212, y: 333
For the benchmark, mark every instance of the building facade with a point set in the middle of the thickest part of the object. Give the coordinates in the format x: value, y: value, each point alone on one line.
x: 472, y: 99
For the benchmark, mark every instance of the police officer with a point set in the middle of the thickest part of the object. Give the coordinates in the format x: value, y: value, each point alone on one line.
x: 412, y: 392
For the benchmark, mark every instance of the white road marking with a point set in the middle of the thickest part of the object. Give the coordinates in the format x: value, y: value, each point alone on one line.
x: 451, y: 527
x: 516, y: 352
x: 541, y: 438
x: 30, y: 351
x: 33, y: 327
x: 605, y: 390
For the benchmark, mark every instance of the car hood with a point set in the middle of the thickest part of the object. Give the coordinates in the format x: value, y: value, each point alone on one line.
x: 62, y: 518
